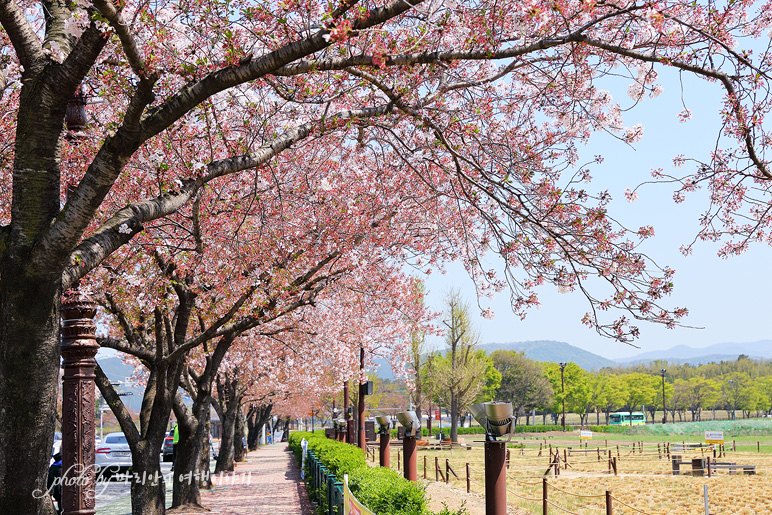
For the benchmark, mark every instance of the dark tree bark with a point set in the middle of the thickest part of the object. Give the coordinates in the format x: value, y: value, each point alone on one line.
x: 240, y: 437
x: 229, y: 399
x: 148, y: 490
x: 193, y: 447
x: 257, y: 416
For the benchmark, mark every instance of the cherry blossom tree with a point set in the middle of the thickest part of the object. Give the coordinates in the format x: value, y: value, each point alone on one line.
x: 469, y: 113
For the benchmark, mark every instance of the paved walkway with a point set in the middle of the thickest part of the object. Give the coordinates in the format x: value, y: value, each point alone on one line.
x: 268, y: 483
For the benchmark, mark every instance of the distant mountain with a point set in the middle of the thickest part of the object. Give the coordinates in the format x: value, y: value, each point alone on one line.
x: 548, y: 350
x: 713, y: 353
x: 119, y: 372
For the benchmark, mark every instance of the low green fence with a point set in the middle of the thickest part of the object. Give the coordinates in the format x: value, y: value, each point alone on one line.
x: 325, y: 488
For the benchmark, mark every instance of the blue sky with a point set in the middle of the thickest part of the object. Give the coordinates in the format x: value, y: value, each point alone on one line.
x: 725, y: 297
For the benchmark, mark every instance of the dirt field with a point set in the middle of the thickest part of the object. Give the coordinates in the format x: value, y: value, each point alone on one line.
x: 644, y: 483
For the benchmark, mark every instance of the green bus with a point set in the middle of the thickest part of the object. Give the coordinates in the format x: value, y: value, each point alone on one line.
x: 623, y: 418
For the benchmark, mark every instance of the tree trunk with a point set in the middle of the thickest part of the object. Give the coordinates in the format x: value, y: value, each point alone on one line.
x: 260, y: 414
x: 253, y: 433
x: 148, y: 488
x: 226, y: 455
x: 453, y: 419
x: 29, y: 373
x: 239, y: 437
x: 229, y: 395
x: 186, y: 474
x: 204, y: 470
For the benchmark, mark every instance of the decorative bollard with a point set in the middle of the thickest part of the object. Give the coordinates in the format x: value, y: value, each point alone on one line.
x: 496, y: 418
x: 79, y: 347
x: 384, y: 428
x: 412, y: 429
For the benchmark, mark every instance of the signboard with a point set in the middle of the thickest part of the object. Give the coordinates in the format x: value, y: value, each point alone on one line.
x: 350, y: 504
x: 585, y: 435
x: 714, y: 437
x: 436, y: 414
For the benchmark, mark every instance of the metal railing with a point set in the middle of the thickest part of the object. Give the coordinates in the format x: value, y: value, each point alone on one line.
x: 325, y: 489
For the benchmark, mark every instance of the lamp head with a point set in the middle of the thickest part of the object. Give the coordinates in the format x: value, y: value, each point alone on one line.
x: 499, y: 415
x: 384, y: 424
x: 478, y: 412
x: 411, y: 422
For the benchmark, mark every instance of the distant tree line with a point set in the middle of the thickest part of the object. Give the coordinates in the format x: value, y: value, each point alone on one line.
x: 743, y: 388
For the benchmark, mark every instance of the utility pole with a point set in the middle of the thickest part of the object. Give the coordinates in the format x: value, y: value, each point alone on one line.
x: 563, y: 393
x: 664, y: 407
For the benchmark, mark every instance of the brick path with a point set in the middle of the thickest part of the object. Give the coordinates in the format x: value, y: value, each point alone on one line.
x: 267, y: 483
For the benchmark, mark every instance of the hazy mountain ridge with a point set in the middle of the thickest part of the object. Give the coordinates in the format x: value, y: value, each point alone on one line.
x: 712, y: 353
x: 549, y: 350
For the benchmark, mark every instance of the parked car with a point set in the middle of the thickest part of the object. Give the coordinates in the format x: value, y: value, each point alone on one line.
x: 167, y: 449
x: 113, y: 456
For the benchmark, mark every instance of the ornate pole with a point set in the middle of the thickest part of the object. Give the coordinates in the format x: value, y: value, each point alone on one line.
x: 78, y: 347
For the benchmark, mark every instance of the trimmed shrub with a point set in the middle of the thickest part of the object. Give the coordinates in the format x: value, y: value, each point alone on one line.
x: 386, y: 492
x: 476, y: 430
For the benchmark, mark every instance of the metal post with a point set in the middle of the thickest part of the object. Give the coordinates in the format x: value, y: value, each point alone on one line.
x: 410, y: 458
x: 468, y: 480
x: 664, y: 407
x: 361, y: 438
x: 385, y: 450
x: 495, y: 478
x: 346, y: 415
x: 78, y: 348
x: 563, y: 394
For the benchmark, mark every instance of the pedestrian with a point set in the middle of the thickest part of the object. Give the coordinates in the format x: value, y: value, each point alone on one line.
x: 174, y: 444
x: 55, y: 481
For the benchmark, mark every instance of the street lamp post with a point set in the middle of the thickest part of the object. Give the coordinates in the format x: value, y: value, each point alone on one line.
x: 664, y: 406
x: 563, y: 394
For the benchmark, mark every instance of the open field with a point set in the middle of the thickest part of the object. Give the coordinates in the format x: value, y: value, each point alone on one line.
x: 644, y: 483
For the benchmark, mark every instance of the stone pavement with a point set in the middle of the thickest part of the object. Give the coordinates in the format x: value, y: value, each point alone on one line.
x: 268, y: 483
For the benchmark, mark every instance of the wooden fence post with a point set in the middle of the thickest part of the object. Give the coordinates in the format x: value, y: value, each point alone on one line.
x: 507, y: 459
x: 609, y: 507
x: 544, y: 503
x: 468, y: 480
x: 424, y: 466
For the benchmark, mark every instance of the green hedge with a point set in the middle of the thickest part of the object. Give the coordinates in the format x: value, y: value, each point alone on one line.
x: 476, y: 430
x: 382, y: 490
x: 386, y: 492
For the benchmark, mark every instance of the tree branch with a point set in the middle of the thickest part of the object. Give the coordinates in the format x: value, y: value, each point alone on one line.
x: 117, y: 22
x: 118, y: 408
x: 26, y: 44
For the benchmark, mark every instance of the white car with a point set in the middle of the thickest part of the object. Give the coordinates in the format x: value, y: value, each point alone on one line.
x: 113, y: 455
